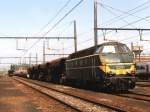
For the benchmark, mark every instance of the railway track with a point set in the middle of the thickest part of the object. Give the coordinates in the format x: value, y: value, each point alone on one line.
x: 143, y: 80
x: 136, y: 96
x: 100, y: 100
x: 69, y: 100
x: 143, y: 83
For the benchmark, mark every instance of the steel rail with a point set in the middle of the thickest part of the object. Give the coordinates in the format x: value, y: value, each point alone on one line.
x: 112, y: 107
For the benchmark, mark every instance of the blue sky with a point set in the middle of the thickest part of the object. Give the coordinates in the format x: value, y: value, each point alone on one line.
x: 27, y: 17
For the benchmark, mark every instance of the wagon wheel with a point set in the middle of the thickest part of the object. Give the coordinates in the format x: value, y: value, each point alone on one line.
x: 30, y: 76
x: 62, y: 79
x: 49, y: 78
x: 40, y: 75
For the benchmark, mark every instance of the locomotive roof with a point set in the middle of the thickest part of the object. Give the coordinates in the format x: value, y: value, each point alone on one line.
x: 91, y: 50
x: 56, y: 61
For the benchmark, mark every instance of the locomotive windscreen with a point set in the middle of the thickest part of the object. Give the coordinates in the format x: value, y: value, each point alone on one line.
x: 118, y: 53
x: 118, y: 58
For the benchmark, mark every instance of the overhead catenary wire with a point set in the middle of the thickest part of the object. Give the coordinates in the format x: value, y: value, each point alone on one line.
x: 60, y: 10
x: 127, y: 13
x: 64, y: 28
x: 70, y: 11
x: 63, y: 17
x: 131, y: 37
x: 50, y: 21
x: 137, y: 9
x: 115, y: 14
x: 75, y: 6
x: 123, y: 12
x: 137, y: 21
x: 56, y: 15
x: 131, y: 23
x: 130, y: 14
x: 62, y: 31
x: 120, y: 27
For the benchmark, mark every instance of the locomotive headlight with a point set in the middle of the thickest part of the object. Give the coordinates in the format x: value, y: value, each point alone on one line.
x: 133, y: 72
x: 110, y: 73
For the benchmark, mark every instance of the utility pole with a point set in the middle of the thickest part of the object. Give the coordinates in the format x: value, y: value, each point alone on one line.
x: 132, y: 46
x: 75, y: 43
x: 95, y: 22
x: 75, y: 36
x: 20, y: 61
x: 36, y: 58
x: 44, y: 51
x: 30, y: 59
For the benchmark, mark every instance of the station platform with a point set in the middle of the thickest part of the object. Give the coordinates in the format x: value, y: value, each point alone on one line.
x: 12, y: 99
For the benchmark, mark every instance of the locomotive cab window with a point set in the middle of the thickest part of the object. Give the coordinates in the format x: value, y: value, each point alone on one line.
x: 109, y: 49
x: 106, y: 49
x: 123, y: 49
x: 117, y: 53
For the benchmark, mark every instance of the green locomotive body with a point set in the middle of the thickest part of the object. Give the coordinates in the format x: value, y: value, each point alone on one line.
x: 109, y: 65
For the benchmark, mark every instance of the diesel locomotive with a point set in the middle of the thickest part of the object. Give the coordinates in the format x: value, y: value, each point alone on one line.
x: 109, y: 65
